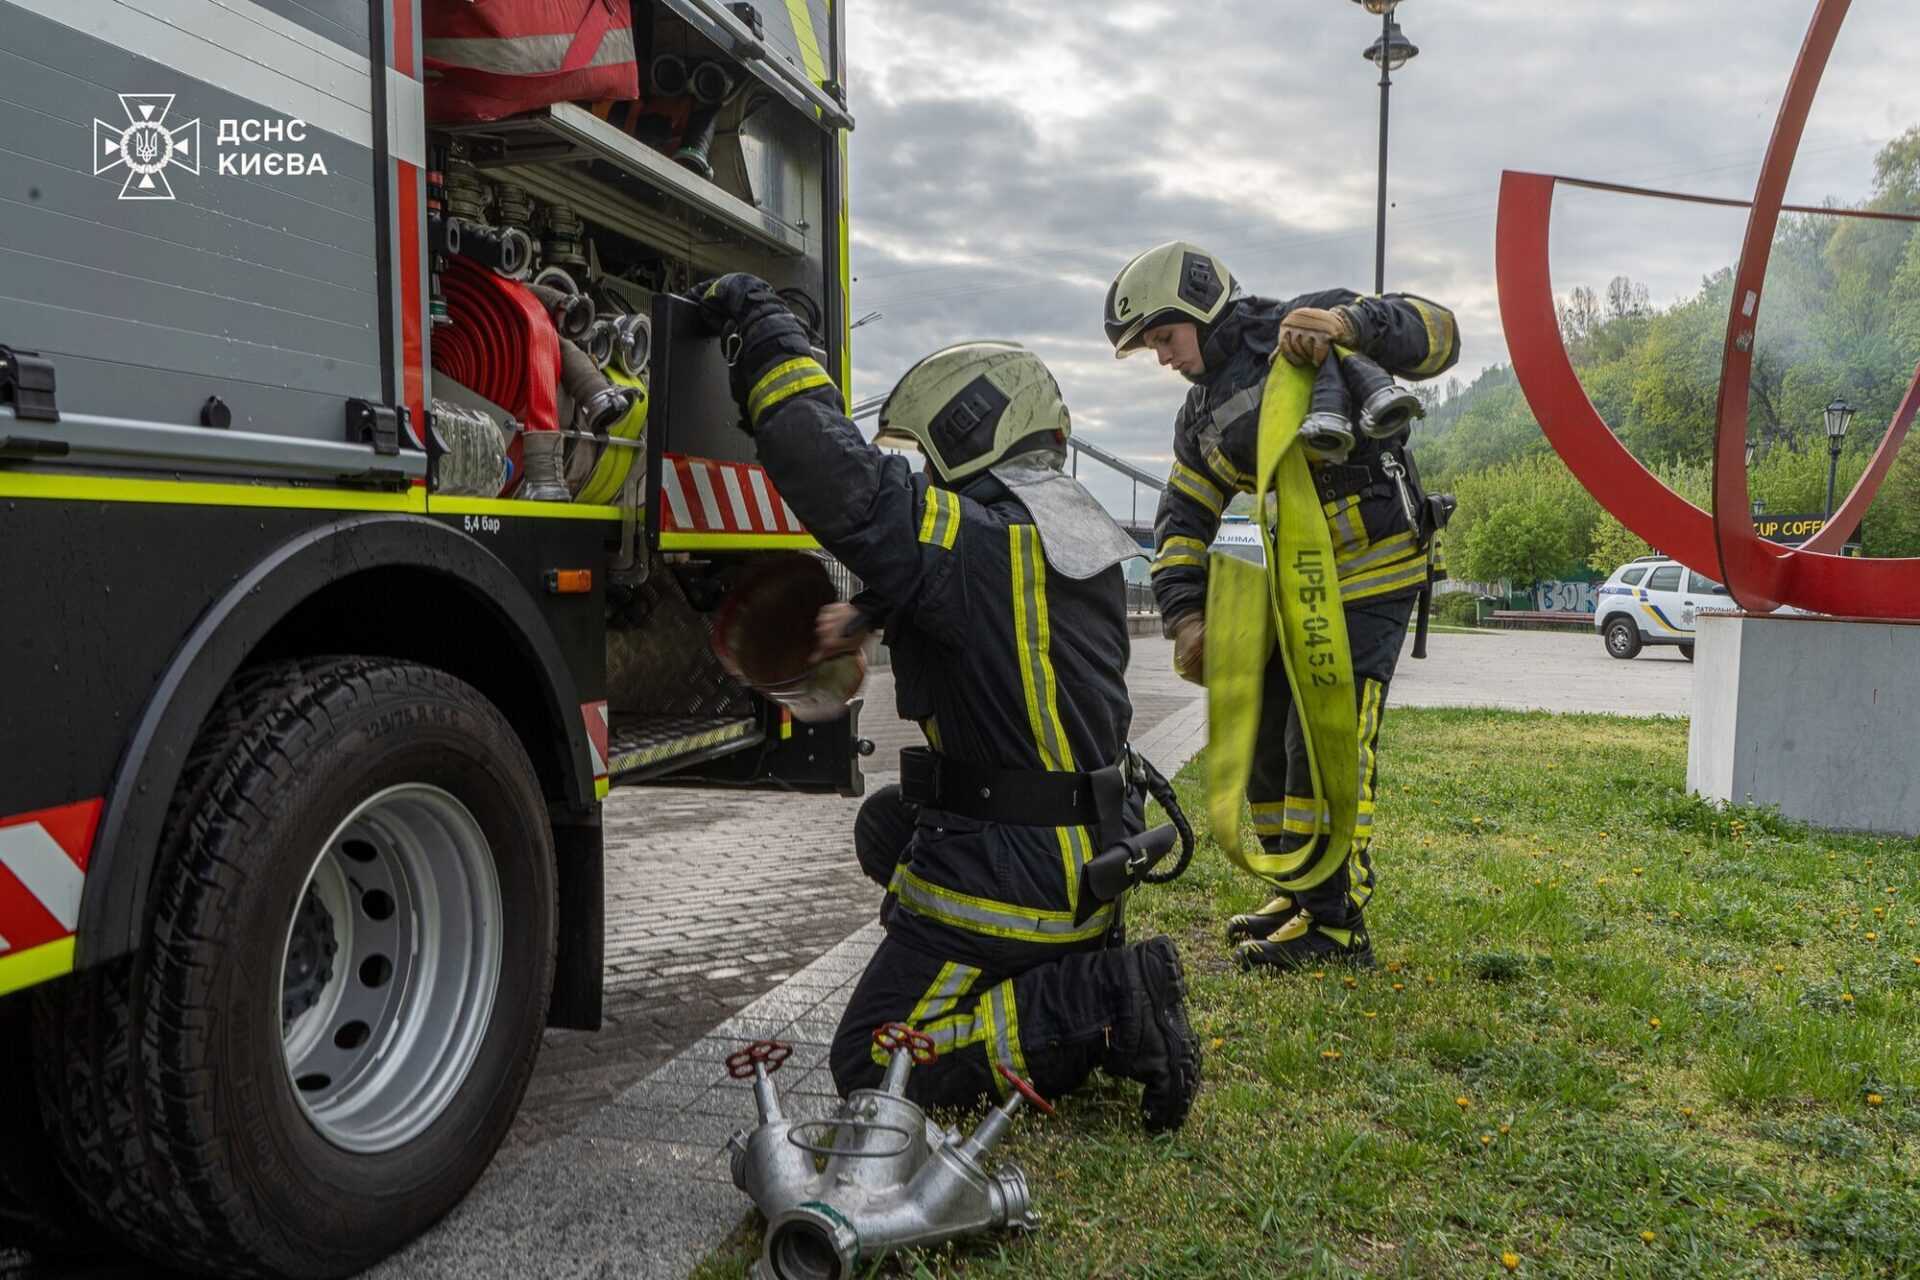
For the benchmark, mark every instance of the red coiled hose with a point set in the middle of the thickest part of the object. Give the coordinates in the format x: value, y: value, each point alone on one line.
x: 501, y: 345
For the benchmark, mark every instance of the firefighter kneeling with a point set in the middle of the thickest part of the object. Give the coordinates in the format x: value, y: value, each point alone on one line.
x: 1004, y: 601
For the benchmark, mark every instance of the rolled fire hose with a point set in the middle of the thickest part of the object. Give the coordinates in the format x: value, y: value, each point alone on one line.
x: 1294, y: 598
x: 598, y: 405
x: 616, y: 460
x: 500, y: 344
x: 572, y: 313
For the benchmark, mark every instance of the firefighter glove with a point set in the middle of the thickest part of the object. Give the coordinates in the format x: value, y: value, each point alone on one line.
x: 1307, y: 332
x: 757, y: 329
x: 1190, y: 648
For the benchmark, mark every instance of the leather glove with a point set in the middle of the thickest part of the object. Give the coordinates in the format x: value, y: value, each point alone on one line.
x: 761, y: 330
x: 1190, y: 648
x: 838, y: 629
x: 725, y: 300
x: 1307, y: 332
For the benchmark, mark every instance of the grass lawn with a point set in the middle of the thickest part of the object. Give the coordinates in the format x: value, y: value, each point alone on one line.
x: 1615, y: 1033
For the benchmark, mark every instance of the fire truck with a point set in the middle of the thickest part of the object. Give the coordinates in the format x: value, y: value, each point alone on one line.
x: 367, y: 496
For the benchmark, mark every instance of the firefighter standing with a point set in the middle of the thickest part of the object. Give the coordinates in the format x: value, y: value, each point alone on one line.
x: 1180, y: 302
x: 1007, y: 625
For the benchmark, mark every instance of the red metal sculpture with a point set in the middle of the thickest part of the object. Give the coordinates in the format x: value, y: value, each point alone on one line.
x: 1760, y: 575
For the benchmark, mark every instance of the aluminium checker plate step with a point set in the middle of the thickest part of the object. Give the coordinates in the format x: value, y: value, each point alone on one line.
x: 643, y: 746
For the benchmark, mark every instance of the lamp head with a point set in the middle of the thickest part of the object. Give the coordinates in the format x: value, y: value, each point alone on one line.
x: 1393, y: 49
x: 1839, y: 418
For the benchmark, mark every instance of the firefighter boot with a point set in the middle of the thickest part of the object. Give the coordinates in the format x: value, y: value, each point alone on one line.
x: 1303, y: 944
x: 1327, y: 432
x: 1259, y: 925
x: 1150, y: 1040
x: 1386, y: 407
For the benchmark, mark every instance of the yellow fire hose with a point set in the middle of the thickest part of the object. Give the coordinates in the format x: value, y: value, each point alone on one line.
x: 1295, y: 598
x: 610, y: 472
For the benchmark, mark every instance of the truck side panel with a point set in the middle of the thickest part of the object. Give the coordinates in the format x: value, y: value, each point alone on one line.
x: 255, y: 286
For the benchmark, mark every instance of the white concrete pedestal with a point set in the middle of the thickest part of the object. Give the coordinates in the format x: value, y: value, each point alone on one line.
x: 1817, y: 716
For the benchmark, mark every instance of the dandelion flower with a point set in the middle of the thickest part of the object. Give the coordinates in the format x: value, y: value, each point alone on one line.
x: 1646, y: 1237
x: 1506, y: 1128
x: 1872, y: 936
x: 1331, y: 1055
x: 1639, y: 871
x: 1319, y: 974
x: 1369, y: 1014
x: 1654, y: 1023
x: 1401, y: 986
x: 1510, y: 1260
x: 1874, y: 1099
x: 1686, y: 1113
x: 1486, y: 1139
x: 1219, y: 1041
x: 1846, y: 997
x: 1463, y: 1102
x: 1780, y: 968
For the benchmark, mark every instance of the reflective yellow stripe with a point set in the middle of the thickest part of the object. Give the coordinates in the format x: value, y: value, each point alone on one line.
x: 193, y: 493
x: 1196, y: 486
x: 940, y: 523
x: 1441, y: 336
x: 1228, y: 475
x: 1394, y: 577
x: 952, y: 530
x: 1031, y: 639
x: 1373, y: 554
x: 994, y: 919
x: 940, y: 998
x: 930, y: 517
x: 932, y: 730
x: 600, y: 788
x: 809, y: 43
x: 789, y: 377
x: 737, y: 541
x: 35, y: 965
x: 1005, y: 1013
x: 438, y: 506
x: 1178, y: 550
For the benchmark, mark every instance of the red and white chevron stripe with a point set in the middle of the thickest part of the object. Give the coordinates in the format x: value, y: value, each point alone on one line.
x: 701, y: 495
x: 595, y: 714
x: 43, y: 867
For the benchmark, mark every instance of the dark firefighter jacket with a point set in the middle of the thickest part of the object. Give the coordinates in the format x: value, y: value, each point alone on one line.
x: 1003, y: 662
x: 1217, y: 431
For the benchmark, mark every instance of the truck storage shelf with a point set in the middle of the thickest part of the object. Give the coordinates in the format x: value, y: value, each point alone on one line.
x: 642, y: 746
x: 763, y: 58
x: 550, y: 151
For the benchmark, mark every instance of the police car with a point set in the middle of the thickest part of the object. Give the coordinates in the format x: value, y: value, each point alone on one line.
x: 1653, y: 600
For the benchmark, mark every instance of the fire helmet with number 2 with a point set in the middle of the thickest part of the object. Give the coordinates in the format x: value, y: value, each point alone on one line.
x: 1168, y: 284
x: 968, y: 406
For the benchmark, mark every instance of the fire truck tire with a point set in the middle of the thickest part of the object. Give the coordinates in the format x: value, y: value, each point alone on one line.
x: 330, y: 1030
x: 36, y: 1211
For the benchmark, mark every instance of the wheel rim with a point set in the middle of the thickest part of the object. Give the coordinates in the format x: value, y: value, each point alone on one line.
x: 388, y: 973
x: 1617, y: 639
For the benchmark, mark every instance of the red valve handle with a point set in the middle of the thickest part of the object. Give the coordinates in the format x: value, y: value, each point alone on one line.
x: 771, y: 1054
x: 1026, y: 1090
x: 895, y: 1036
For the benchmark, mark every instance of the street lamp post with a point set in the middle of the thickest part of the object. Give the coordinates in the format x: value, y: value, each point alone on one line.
x: 1390, y: 52
x: 1839, y: 418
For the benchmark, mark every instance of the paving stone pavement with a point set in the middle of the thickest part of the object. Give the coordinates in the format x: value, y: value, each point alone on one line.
x: 715, y: 897
x: 640, y: 1187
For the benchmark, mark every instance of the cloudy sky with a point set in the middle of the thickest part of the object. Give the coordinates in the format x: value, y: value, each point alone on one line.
x: 1010, y: 157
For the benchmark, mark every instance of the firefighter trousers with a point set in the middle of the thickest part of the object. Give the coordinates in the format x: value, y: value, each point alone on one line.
x: 1047, y: 1021
x: 1286, y: 812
